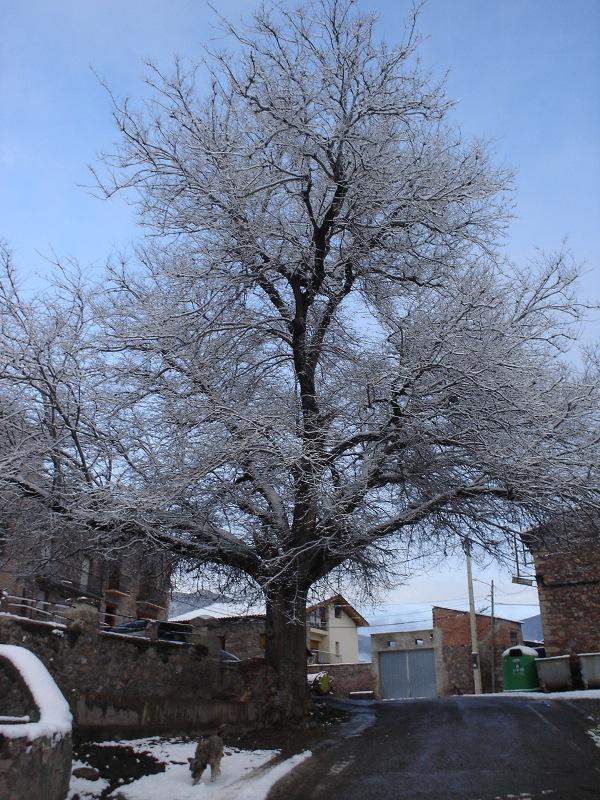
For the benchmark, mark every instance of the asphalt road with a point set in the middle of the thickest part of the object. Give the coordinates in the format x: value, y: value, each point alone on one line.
x: 459, y: 748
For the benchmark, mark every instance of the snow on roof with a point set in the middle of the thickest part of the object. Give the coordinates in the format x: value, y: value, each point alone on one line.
x: 220, y: 611
x: 55, y: 715
x: 233, y: 610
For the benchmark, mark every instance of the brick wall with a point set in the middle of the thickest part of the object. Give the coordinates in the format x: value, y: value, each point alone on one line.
x: 457, y: 670
x: 347, y: 677
x: 568, y: 578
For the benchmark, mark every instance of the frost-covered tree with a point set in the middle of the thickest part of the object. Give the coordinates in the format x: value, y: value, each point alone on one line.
x: 321, y: 358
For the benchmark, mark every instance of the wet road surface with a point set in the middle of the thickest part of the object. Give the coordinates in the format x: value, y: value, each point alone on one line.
x: 459, y: 748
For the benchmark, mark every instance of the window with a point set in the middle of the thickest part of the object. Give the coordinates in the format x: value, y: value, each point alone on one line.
x: 419, y: 642
x: 337, y: 648
x: 263, y: 640
x: 391, y: 643
x: 85, y: 572
x: 514, y: 637
x: 337, y: 611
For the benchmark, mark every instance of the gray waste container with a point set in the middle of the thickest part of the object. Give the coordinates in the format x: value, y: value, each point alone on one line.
x: 589, y: 664
x: 554, y: 673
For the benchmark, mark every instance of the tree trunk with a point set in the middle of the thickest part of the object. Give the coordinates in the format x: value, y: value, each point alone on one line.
x: 286, y: 651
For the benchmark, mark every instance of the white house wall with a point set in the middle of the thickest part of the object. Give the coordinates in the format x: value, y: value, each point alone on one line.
x: 342, y: 630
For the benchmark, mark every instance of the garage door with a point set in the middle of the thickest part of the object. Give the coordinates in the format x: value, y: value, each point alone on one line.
x: 407, y: 673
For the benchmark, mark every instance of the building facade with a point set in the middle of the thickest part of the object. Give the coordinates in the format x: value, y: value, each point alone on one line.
x: 137, y: 585
x: 331, y: 629
x: 437, y: 661
x: 567, y: 570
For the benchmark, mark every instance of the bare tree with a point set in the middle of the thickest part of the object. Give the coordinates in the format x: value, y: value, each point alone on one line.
x: 321, y: 357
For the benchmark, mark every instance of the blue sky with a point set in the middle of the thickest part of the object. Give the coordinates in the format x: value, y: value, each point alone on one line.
x: 524, y: 74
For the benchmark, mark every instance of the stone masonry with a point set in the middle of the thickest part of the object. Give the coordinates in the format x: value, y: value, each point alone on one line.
x: 347, y: 678
x: 29, y: 770
x: 457, y: 672
x: 568, y: 580
x: 127, y: 685
x: 242, y: 636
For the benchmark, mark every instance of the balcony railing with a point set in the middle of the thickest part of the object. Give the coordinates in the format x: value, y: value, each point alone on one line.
x: 324, y: 657
x: 317, y: 621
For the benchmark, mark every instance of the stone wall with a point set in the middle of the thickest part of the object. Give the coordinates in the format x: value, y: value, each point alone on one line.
x: 242, y: 636
x: 568, y: 580
x: 37, y: 770
x: 456, y: 675
x: 130, y: 685
x: 347, y: 678
x: 33, y: 768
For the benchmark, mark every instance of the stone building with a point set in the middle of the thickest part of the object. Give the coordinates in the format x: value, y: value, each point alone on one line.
x: 455, y: 642
x: 567, y: 566
x: 437, y: 661
x: 133, y: 586
x: 331, y: 629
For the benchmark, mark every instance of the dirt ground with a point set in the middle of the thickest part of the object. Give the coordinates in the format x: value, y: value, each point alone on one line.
x: 293, y: 739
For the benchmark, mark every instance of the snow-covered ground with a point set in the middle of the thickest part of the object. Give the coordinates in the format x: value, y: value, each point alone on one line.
x: 578, y: 694
x: 245, y: 774
x: 84, y: 788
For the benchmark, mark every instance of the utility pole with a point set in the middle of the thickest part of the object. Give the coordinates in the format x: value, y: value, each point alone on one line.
x: 493, y: 643
x: 474, y: 641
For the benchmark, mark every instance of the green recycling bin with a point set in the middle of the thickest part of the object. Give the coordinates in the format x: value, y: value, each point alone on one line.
x: 518, y: 669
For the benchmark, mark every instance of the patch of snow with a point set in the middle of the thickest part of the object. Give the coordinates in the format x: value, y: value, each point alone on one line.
x: 578, y: 694
x: 245, y: 774
x: 87, y: 790
x: 315, y: 676
x: 45, y: 622
x: 237, y: 781
x: 221, y: 611
x: 553, y: 658
x: 524, y: 650
x: 162, y: 749
x: 55, y: 715
x: 595, y: 734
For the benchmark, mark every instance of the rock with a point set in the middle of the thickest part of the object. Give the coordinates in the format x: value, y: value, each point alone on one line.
x: 89, y: 773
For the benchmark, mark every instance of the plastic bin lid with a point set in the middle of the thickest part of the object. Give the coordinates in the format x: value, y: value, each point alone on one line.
x: 520, y: 650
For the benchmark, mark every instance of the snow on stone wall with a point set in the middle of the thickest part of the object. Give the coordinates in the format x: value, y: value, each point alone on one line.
x: 55, y: 719
x: 35, y: 755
